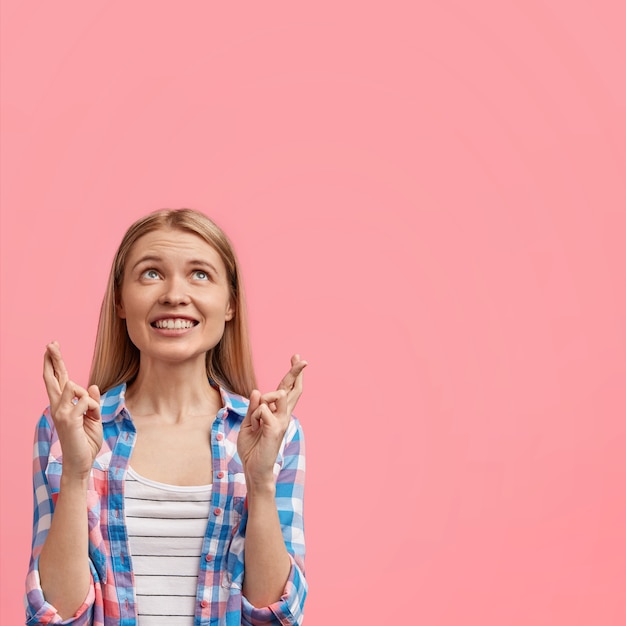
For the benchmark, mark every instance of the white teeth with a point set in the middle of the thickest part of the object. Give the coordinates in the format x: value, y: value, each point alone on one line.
x: 171, y: 323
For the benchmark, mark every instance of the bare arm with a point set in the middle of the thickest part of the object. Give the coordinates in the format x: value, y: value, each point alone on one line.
x: 64, y: 559
x: 266, y: 560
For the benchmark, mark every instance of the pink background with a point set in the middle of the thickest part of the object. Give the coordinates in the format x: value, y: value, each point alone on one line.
x: 429, y: 203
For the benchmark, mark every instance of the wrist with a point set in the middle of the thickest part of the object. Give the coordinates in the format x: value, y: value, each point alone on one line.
x: 261, y: 486
x: 74, y: 482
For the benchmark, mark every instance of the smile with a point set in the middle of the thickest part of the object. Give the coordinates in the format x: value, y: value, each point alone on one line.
x: 175, y: 323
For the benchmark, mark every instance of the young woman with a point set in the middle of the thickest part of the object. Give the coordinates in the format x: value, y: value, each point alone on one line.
x: 170, y: 490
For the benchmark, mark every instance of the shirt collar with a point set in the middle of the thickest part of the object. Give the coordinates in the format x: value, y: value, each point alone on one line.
x: 113, y: 402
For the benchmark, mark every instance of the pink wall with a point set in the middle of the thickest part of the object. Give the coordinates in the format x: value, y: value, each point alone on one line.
x: 429, y: 201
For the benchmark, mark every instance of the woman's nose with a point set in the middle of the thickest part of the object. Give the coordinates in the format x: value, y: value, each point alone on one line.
x: 174, y: 292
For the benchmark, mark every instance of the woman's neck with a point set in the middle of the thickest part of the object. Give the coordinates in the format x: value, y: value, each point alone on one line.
x: 172, y: 392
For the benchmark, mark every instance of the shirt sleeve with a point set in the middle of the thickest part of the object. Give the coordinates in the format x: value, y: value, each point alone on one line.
x: 288, y: 611
x: 38, y: 611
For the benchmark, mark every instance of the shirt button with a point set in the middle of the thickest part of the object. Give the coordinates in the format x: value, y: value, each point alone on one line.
x: 208, y: 558
x: 220, y: 474
x: 219, y: 436
x: 204, y: 604
x: 217, y: 511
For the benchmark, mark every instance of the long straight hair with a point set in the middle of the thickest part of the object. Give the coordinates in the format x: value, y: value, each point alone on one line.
x: 116, y: 359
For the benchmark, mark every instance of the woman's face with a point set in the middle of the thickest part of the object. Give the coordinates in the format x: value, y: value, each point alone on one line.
x: 175, y: 296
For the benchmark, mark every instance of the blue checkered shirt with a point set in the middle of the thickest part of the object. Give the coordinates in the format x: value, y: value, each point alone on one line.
x: 219, y: 598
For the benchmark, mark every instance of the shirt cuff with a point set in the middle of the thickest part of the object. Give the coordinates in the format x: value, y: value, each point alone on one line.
x: 288, y: 611
x: 39, y: 612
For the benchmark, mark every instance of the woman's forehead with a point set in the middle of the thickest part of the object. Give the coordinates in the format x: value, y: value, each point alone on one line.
x: 174, y: 244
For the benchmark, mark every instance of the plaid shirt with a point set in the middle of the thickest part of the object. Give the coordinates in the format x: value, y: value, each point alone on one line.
x: 219, y: 598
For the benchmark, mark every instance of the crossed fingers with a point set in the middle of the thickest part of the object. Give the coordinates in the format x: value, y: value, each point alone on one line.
x: 54, y: 372
x: 292, y: 382
x: 63, y: 393
x: 269, y: 408
x: 276, y: 407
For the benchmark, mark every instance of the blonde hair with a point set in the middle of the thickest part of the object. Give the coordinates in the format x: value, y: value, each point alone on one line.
x: 116, y: 359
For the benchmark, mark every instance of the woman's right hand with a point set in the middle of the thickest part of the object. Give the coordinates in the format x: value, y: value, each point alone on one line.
x: 75, y: 412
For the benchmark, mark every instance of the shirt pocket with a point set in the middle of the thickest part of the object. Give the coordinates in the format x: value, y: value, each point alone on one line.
x: 232, y: 577
x: 53, y: 477
x: 237, y: 493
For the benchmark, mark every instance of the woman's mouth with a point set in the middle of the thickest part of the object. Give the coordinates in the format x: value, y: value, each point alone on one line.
x: 173, y: 323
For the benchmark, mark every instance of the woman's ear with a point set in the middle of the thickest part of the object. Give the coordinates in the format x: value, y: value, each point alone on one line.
x: 119, y: 309
x: 230, y: 311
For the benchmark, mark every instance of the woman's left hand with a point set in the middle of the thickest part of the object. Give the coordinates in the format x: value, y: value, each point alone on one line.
x: 264, y: 426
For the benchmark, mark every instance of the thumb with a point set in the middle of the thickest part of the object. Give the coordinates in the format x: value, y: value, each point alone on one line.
x: 94, y: 406
x: 255, y: 400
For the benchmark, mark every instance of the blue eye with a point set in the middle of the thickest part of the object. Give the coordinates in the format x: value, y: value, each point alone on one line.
x: 151, y: 274
x: 201, y: 275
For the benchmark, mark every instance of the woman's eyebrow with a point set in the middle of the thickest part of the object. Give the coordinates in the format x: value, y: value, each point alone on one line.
x: 203, y: 262
x: 147, y: 258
